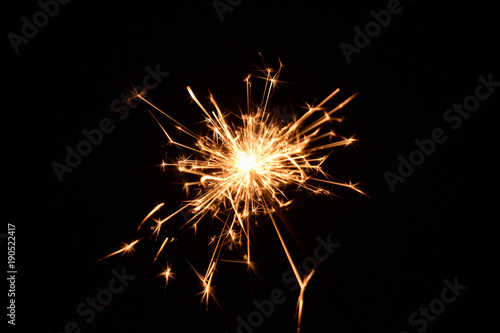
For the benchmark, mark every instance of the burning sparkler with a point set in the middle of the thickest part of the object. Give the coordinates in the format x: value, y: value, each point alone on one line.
x: 243, y: 168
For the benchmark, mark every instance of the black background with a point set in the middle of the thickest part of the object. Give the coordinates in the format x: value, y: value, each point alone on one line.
x: 396, y: 248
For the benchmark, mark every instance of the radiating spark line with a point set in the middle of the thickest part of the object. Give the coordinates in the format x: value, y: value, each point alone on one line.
x: 244, y: 169
x: 149, y: 215
x: 161, y: 248
x: 127, y: 248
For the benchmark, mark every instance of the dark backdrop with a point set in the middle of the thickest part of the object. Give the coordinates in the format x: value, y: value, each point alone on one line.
x: 396, y: 247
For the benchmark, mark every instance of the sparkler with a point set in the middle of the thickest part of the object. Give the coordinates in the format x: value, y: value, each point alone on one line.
x: 244, y: 167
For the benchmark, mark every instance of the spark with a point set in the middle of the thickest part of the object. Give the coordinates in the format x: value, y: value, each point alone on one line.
x: 126, y: 248
x: 244, y: 167
x: 167, y: 274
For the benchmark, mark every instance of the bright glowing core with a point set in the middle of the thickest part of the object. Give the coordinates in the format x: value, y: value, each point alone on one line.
x: 245, y: 163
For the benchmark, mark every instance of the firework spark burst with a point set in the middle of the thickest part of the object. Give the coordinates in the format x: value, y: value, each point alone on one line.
x: 244, y: 168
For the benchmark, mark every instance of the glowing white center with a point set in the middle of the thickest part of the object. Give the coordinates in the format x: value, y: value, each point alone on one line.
x: 245, y: 163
